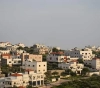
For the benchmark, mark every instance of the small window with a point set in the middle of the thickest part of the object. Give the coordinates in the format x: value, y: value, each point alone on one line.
x: 39, y: 65
x: 44, y: 65
x: 33, y: 65
x: 50, y: 58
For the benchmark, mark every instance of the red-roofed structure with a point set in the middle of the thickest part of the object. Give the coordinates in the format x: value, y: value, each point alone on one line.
x: 27, y: 70
x: 16, y: 74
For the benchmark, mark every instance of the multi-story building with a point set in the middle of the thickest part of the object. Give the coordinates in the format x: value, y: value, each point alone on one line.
x: 32, y: 57
x: 22, y: 79
x: 38, y: 67
x: 42, y: 49
x: 84, y: 54
x: 10, y: 60
x: 56, y: 57
x: 73, y: 65
x: 4, y: 51
x: 93, y: 64
x: 4, y: 44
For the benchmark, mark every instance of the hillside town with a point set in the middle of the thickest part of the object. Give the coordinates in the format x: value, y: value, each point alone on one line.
x: 40, y: 65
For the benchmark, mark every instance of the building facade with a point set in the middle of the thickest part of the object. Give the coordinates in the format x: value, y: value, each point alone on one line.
x: 81, y: 54
x: 23, y: 79
x: 38, y: 67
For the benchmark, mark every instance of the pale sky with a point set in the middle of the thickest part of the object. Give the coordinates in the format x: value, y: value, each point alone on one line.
x: 63, y: 23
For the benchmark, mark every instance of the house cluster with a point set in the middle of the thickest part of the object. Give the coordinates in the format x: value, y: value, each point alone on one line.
x: 94, y: 48
x: 42, y: 49
x: 35, y: 67
x: 32, y: 64
x: 70, y: 60
x: 65, y: 62
x: 22, y: 79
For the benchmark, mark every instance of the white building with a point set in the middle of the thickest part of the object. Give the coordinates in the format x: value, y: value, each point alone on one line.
x: 11, y: 61
x: 4, y: 44
x: 31, y: 57
x: 22, y: 79
x: 21, y: 45
x: 56, y: 57
x: 42, y: 49
x: 38, y: 67
x: 93, y: 64
x: 85, y: 54
x: 73, y: 65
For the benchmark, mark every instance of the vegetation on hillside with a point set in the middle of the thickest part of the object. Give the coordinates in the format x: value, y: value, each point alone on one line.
x: 92, y: 82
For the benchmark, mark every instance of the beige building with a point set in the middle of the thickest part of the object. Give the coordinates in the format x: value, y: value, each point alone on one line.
x: 42, y: 49
x: 38, y: 67
x: 4, y: 44
x: 22, y: 79
x: 32, y: 57
x: 4, y: 51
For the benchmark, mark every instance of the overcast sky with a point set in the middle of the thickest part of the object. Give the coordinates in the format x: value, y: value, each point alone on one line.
x: 63, y: 23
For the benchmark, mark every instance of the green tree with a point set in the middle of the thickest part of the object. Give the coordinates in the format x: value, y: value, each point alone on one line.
x: 63, y: 74
x: 44, y: 57
x: 29, y: 86
x: 80, y: 60
x: 20, y: 48
x: 73, y: 74
x: 68, y: 71
x: 48, y: 74
x: 55, y: 50
x: 55, y: 73
x: 85, y: 71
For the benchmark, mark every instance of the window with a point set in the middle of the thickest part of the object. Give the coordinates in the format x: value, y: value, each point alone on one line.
x: 56, y: 58
x: 39, y: 65
x: 19, y: 61
x: 33, y: 65
x: 33, y: 77
x: 39, y: 70
x: 9, y: 61
x: 44, y: 65
x: 50, y: 58
x: 29, y: 65
x: 41, y: 76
